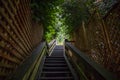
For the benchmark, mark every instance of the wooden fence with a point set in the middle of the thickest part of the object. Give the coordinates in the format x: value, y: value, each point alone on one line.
x: 100, y: 39
x: 18, y: 35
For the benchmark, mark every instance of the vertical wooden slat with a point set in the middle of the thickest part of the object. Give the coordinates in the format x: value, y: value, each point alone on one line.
x: 25, y: 19
x: 15, y: 29
x: 103, y: 37
x: 11, y: 15
x: 9, y: 22
x: 16, y: 35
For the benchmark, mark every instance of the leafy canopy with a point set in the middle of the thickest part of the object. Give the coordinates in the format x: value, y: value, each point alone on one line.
x: 74, y: 12
x: 45, y: 12
x: 60, y: 17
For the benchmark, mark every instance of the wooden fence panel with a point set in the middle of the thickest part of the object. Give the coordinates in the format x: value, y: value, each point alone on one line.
x: 112, y: 20
x: 103, y: 39
x: 16, y: 34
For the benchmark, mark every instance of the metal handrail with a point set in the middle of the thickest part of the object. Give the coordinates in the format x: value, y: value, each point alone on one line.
x: 86, y: 68
x: 30, y: 67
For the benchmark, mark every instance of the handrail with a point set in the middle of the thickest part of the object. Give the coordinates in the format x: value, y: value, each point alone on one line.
x: 85, y: 66
x: 51, y: 46
x: 51, y: 43
x: 30, y: 67
x: 28, y: 70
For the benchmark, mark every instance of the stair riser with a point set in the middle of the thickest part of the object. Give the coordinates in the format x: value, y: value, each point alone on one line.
x: 56, y: 69
x: 55, y: 62
x: 56, y: 75
x: 57, y: 65
x: 55, y: 58
x: 58, y: 78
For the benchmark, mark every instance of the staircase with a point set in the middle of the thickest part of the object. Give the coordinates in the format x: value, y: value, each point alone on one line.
x: 55, y: 67
x: 39, y: 66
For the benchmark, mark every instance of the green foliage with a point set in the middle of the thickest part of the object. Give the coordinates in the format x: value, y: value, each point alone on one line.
x: 45, y: 12
x: 50, y: 34
x: 62, y: 34
x: 105, y: 5
x: 74, y: 12
x: 60, y: 17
